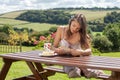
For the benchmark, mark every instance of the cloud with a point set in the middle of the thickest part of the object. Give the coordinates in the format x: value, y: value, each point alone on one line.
x: 12, y: 5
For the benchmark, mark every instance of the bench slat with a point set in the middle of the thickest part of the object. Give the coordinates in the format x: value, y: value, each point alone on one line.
x: 60, y: 70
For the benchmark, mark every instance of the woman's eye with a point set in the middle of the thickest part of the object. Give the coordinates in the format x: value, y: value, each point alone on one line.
x: 73, y: 25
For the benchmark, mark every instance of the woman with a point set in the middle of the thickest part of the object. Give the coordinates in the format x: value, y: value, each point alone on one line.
x: 73, y: 40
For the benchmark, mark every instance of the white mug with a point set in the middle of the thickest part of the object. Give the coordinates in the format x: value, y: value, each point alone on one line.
x: 47, y: 46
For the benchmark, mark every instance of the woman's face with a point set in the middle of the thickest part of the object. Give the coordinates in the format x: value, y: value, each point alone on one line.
x: 75, y: 26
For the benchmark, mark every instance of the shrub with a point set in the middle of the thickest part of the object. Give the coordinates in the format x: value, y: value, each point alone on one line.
x: 95, y: 51
x: 112, y: 32
x: 53, y: 29
x: 102, y: 43
x: 42, y: 39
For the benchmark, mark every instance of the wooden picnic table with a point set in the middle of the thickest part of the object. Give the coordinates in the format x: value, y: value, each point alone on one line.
x: 34, y: 61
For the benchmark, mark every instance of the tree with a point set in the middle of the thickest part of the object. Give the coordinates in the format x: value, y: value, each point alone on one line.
x: 53, y: 29
x: 102, y: 43
x: 6, y: 28
x: 112, y: 31
x: 3, y: 36
x: 112, y: 17
x: 45, y: 16
x: 13, y: 37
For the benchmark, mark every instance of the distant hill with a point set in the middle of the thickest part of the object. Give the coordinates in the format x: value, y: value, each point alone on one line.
x: 90, y: 14
x: 9, y: 18
x: 12, y: 14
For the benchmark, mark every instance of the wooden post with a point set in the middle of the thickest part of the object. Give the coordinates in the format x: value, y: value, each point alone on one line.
x: 20, y: 45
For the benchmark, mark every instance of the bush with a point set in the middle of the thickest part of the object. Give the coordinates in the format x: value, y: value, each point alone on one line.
x: 42, y: 39
x: 95, y: 51
x: 3, y: 36
x: 53, y: 29
x: 112, y: 17
x: 102, y: 43
x: 112, y: 32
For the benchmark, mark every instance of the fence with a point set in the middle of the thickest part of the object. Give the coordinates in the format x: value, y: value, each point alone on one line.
x: 5, y: 47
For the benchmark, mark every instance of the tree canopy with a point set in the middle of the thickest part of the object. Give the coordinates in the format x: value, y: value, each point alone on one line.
x: 112, y: 31
x: 45, y: 16
x: 112, y: 17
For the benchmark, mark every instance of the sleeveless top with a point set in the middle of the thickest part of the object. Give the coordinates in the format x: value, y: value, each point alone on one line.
x: 66, y: 44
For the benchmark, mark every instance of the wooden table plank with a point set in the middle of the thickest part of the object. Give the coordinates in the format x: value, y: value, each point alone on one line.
x: 87, y: 60
x: 94, y: 62
x: 69, y: 62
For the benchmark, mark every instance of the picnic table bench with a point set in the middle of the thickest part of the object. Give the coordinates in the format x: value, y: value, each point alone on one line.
x: 34, y: 61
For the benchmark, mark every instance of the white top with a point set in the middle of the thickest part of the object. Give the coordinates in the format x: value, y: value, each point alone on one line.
x: 66, y: 44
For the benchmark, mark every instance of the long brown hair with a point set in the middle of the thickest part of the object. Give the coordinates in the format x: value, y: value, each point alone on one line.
x: 84, y: 38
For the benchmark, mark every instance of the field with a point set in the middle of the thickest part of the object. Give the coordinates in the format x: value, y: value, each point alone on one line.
x: 12, y: 21
x: 91, y: 15
x: 25, y: 24
x: 13, y: 14
x: 8, y: 18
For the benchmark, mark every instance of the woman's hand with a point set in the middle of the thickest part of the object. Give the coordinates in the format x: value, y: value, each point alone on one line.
x: 79, y: 52
x: 59, y: 50
x: 76, y: 52
x: 73, y: 52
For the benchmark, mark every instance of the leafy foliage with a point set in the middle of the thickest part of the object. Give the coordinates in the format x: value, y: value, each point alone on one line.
x: 13, y: 37
x: 53, y: 29
x: 42, y: 39
x: 112, y: 17
x: 112, y: 32
x: 102, y: 43
x: 96, y: 26
x: 6, y: 28
x: 3, y: 36
x: 95, y: 51
x: 48, y: 16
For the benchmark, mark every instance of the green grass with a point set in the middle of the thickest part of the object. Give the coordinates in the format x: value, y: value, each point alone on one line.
x: 111, y: 54
x: 12, y: 21
x: 13, y: 14
x: 19, y: 69
x: 94, y: 33
x: 37, y: 26
x: 92, y: 15
x: 25, y: 24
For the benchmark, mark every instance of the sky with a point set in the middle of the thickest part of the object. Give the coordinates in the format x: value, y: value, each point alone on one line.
x: 14, y: 5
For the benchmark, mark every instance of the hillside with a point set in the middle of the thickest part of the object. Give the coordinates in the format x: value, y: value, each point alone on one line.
x: 92, y: 15
x: 8, y: 18
x: 13, y: 14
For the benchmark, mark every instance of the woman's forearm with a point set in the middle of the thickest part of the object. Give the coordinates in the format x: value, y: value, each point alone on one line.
x: 62, y: 50
x: 79, y: 52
